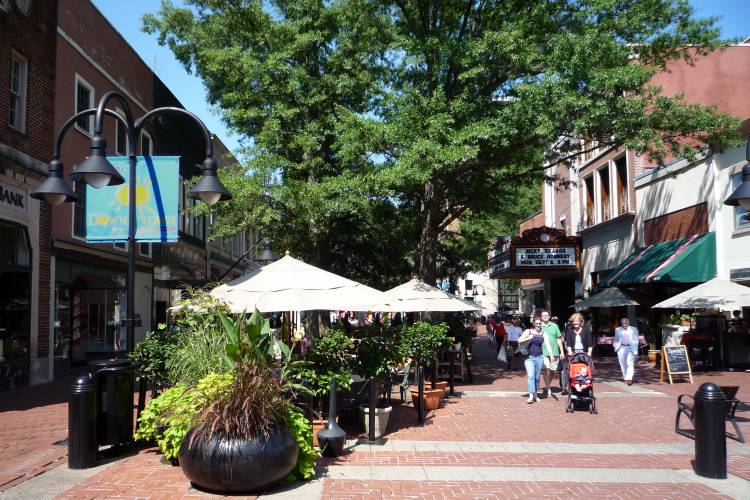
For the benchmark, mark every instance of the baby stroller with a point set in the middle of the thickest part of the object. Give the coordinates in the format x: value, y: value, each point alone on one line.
x: 580, y: 383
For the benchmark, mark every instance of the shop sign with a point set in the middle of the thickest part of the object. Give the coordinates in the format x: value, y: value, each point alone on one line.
x: 545, y: 256
x: 13, y: 198
x: 500, y: 264
x: 156, y: 198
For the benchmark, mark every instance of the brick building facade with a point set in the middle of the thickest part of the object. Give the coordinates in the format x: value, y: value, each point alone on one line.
x: 27, y: 91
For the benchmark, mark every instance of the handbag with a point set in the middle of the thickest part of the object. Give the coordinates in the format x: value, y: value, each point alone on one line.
x: 523, y: 348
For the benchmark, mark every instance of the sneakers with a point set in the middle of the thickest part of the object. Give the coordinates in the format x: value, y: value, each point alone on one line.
x: 531, y: 399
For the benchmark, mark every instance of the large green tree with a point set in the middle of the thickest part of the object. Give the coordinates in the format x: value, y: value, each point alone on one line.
x: 426, y: 112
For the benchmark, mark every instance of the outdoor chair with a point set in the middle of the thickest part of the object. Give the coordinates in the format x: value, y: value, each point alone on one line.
x: 404, y: 385
x: 686, y: 406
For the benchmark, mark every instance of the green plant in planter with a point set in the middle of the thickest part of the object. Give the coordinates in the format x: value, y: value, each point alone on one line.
x: 200, y: 340
x: 167, y: 418
x: 424, y: 341
x: 152, y: 354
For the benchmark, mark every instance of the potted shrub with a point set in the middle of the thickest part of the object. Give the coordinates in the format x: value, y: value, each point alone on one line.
x: 377, y: 351
x: 423, y: 342
x: 328, y: 358
x: 241, y: 442
x: 237, y: 430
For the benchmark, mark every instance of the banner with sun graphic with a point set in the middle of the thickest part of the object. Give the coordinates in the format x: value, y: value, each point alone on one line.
x: 157, y: 187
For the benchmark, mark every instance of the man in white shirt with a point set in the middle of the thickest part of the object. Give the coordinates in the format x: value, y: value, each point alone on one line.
x: 512, y: 333
x: 626, y: 347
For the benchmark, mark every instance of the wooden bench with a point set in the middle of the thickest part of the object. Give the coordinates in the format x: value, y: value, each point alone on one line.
x: 686, y: 405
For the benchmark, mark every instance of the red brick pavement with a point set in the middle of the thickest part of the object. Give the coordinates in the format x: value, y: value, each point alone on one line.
x: 32, y: 419
x: 140, y: 476
x: 621, y: 420
x: 353, y: 489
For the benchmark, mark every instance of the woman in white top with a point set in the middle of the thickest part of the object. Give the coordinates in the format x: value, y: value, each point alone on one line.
x: 626, y: 347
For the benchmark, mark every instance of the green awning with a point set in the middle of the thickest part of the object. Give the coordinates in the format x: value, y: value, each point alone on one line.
x: 687, y: 260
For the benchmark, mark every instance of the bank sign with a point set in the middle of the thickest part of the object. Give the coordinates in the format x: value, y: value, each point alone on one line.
x: 12, y: 197
x: 157, y: 187
x: 545, y: 257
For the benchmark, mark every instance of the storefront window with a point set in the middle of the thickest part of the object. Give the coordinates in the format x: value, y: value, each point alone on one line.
x: 15, y: 298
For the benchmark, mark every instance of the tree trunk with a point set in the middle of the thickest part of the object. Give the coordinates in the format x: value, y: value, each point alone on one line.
x: 427, y: 249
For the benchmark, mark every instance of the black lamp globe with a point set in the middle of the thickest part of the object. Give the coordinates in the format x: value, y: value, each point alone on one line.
x: 209, y: 189
x: 54, y: 190
x: 741, y: 195
x: 96, y: 170
x: 266, y: 256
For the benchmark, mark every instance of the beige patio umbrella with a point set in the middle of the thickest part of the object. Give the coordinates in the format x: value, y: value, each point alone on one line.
x: 716, y: 293
x: 292, y: 285
x: 418, y: 296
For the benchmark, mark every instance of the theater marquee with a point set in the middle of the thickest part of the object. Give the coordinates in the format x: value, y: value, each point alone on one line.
x: 540, y: 252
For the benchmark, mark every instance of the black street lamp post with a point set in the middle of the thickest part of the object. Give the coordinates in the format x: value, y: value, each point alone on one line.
x: 97, y: 171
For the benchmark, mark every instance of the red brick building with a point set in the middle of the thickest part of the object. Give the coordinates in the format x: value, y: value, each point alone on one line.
x: 27, y: 91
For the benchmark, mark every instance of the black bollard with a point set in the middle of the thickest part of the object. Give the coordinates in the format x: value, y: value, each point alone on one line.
x: 82, y: 446
x: 450, y: 372
x: 371, y: 416
x: 710, y: 432
x: 332, y: 438
x: 433, y: 373
x: 420, y: 394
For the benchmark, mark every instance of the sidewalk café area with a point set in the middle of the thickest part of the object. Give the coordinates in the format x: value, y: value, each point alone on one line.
x: 482, y: 442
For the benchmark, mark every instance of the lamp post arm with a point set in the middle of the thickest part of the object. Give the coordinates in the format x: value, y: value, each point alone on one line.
x: 101, y: 109
x: 61, y: 134
x: 240, y: 259
x: 206, y: 134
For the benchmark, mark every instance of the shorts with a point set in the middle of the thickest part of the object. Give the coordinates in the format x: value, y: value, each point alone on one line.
x: 551, y: 365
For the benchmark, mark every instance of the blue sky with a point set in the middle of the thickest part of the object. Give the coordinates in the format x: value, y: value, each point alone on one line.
x: 126, y: 18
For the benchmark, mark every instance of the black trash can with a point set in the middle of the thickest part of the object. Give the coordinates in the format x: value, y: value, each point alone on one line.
x: 114, y: 379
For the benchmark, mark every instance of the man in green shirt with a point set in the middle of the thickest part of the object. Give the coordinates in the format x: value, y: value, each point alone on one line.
x: 551, y: 349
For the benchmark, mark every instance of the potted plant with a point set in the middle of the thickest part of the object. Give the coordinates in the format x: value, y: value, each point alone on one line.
x: 377, y: 351
x: 423, y: 342
x: 328, y: 358
x: 237, y: 430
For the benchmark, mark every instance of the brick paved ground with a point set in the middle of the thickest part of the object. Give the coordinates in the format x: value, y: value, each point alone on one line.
x: 628, y: 450
x: 353, y: 489
x: 31, y: 420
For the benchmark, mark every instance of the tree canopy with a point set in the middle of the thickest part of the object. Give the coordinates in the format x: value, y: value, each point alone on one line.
x: 376, y: 125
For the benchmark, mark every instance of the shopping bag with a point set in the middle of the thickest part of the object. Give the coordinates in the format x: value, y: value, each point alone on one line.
x: 502, y: 356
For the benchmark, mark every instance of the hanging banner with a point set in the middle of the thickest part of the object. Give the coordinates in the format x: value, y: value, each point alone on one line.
x: 157, y: 186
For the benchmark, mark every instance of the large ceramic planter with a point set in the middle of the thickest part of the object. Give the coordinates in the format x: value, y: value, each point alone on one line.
x: 431, y: 398
x: 652, y: 355
x: 238, y: 465
x: 381, y: 419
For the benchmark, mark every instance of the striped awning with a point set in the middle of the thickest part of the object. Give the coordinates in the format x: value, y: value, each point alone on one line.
x: 686, y: 260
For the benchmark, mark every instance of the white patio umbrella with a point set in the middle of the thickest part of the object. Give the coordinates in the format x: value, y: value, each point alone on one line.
x: 292, y: 285
x: 713, y: 294
x: 418, y: 296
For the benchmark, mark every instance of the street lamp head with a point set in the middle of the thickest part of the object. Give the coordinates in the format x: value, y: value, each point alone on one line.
x: 54, y: 190
x: 209, y: 188
x: 741, y: 195
x: 96, y: 170
x: 266, y: 256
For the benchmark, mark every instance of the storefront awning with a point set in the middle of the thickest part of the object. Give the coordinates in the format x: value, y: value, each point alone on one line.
x: 687, y: 260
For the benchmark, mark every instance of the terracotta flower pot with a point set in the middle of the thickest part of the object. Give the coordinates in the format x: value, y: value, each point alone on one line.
x: 652, y: 354
x: 442, y: 385
x: 431, y: 398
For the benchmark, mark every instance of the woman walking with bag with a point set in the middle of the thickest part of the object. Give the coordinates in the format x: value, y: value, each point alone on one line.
x: 533, y: 363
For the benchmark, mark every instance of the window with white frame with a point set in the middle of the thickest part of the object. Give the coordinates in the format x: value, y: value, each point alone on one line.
x: 121, y: 245
x: 741, y: 216
x: 19, y: 68
x: 144, y: 249
x: 84, y: 99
